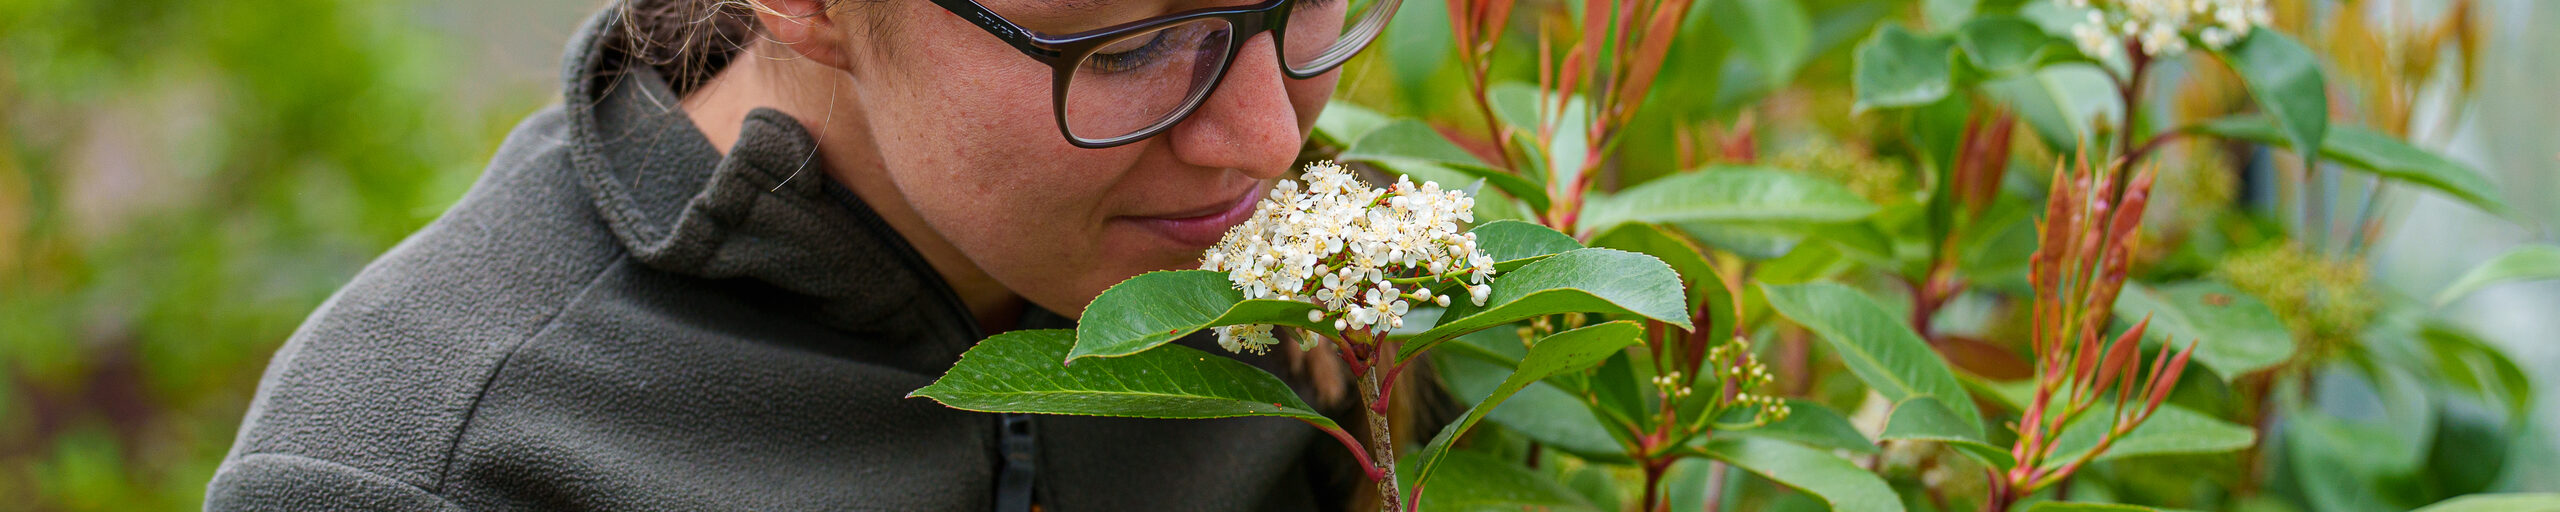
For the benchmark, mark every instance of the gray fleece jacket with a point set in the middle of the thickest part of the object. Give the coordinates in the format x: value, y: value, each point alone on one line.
x: 618, y: 317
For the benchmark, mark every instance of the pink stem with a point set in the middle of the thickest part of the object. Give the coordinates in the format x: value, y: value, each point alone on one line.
x: 1357, y: 452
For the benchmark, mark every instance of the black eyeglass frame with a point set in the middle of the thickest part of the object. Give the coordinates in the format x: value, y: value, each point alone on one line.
x: 1064, y: 52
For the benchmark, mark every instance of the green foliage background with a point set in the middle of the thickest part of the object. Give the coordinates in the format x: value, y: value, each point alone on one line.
x: 181, y: 182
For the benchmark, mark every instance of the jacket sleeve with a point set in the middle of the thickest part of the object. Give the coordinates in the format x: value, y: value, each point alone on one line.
x: 282, y: 482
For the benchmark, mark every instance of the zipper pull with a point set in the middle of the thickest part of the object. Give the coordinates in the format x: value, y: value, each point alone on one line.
x: 1013, y: 480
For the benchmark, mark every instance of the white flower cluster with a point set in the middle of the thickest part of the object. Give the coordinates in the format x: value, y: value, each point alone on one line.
x: 1363, y: 255
x: 2161, y: 26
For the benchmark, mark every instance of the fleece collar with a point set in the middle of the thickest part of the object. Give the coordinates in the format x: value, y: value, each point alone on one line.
x: 765, y: 212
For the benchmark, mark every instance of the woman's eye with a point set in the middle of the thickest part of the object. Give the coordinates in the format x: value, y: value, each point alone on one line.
x: 1129, y: 54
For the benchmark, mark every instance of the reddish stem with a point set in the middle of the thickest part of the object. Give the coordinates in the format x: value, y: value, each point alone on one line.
x: 1381, y: 446
x: 1380, y: 406
x: 1653, y: 470
x: 2125, y: 163
x: 2130, y: 91
x: 2001, y: 497
x: 1932, y: 293
x: 1357, y: 452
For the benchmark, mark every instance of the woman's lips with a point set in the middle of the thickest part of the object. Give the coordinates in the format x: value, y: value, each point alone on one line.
x: 1202, y: 227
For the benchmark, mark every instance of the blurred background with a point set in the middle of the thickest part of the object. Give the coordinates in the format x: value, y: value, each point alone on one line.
x: 182, y: 182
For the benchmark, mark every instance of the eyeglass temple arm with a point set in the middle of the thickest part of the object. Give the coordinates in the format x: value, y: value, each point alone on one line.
x: 1004, y: 29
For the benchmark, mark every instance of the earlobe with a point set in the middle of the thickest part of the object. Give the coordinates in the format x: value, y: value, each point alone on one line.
x: 805, y: 27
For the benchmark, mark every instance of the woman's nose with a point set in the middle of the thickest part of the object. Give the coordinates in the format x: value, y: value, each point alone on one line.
x: 1247, y: 123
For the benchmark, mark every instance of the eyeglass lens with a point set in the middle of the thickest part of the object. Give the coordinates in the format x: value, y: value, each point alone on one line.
x: 1141, y: 81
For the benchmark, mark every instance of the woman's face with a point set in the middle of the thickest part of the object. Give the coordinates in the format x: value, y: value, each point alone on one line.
x: 964, y: 130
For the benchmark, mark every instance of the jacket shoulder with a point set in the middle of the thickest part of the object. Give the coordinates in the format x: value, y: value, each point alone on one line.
x: 270, y: 481
x: 380, y: 379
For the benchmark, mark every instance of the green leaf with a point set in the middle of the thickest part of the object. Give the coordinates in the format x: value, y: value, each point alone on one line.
x: 1943, y: 13
x: 2499, y: 502
x: 1705, y: 286
x: 1700, y: 61
x: 1935, y: 133
x: 2000, y: 245
x: 1493, y: 205
x: 1773, y: 35
x: 1406, y: 143
x: 1414, y: 140
x: 2285, y: 79
x: 1567, y: 150
x: 2371, y: 151
x: 1157, y: 307
x: 1564, y: 351
x: 1497, y: 346
x: 2172, y: 429
x: 1808, y: 423
x: 2010, y: 395
x: 1928, y: 419
x: 1757, y: 242
x: 1475, y: 482
x: 2060, y: 102
x: 2528, y: 263
x: 1685, y: 485
x: 2406, y: 418
x: 1896, y: 68
x: 1723, y: 194
x: 1418, y: 45
x: 1517, y: 104
x: 2471, y: 364
x: 1582, y: 280
x: 1019, y: 372
x: 1532, y: 161
x: 2008, y: 45
x: 1594, y: 483
x: 1862, y: 241
x: 2235, y: 334
x: 1836, y: 481
x: 2337, y: 462
x: 1618, y: 391
x: 1542, y: 411
x: 2472, y: 449
x: 1877, y: 347
x: 1513, y: 243
x: 1345, y: 122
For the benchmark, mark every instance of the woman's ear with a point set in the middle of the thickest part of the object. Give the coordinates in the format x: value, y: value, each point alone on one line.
x: 805, y: 27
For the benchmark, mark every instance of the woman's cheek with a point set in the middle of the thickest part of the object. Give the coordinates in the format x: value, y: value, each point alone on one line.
x: 1037, y: 221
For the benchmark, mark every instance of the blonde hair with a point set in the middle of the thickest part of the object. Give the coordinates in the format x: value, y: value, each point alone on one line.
x: 688, y: 41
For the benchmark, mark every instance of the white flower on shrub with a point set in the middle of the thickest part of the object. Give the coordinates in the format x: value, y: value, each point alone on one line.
x: 1364, y: 256
x: 2162, y: 26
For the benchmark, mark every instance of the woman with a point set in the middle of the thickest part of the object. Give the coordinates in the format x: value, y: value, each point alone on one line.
x: 709, y: 278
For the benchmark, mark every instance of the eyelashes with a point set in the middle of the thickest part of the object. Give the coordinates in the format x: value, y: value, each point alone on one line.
x: 1133, y: 58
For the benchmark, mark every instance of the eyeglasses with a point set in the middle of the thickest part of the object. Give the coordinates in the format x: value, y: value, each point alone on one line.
x: 1123, y: 83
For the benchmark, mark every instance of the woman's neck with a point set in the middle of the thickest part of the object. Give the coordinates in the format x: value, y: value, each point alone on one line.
x: 822, y: 100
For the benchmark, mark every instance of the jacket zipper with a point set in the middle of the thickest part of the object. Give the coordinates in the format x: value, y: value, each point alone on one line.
x: 1017, y: 442
x: 1013, y: 483
x: 1016, y: 446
